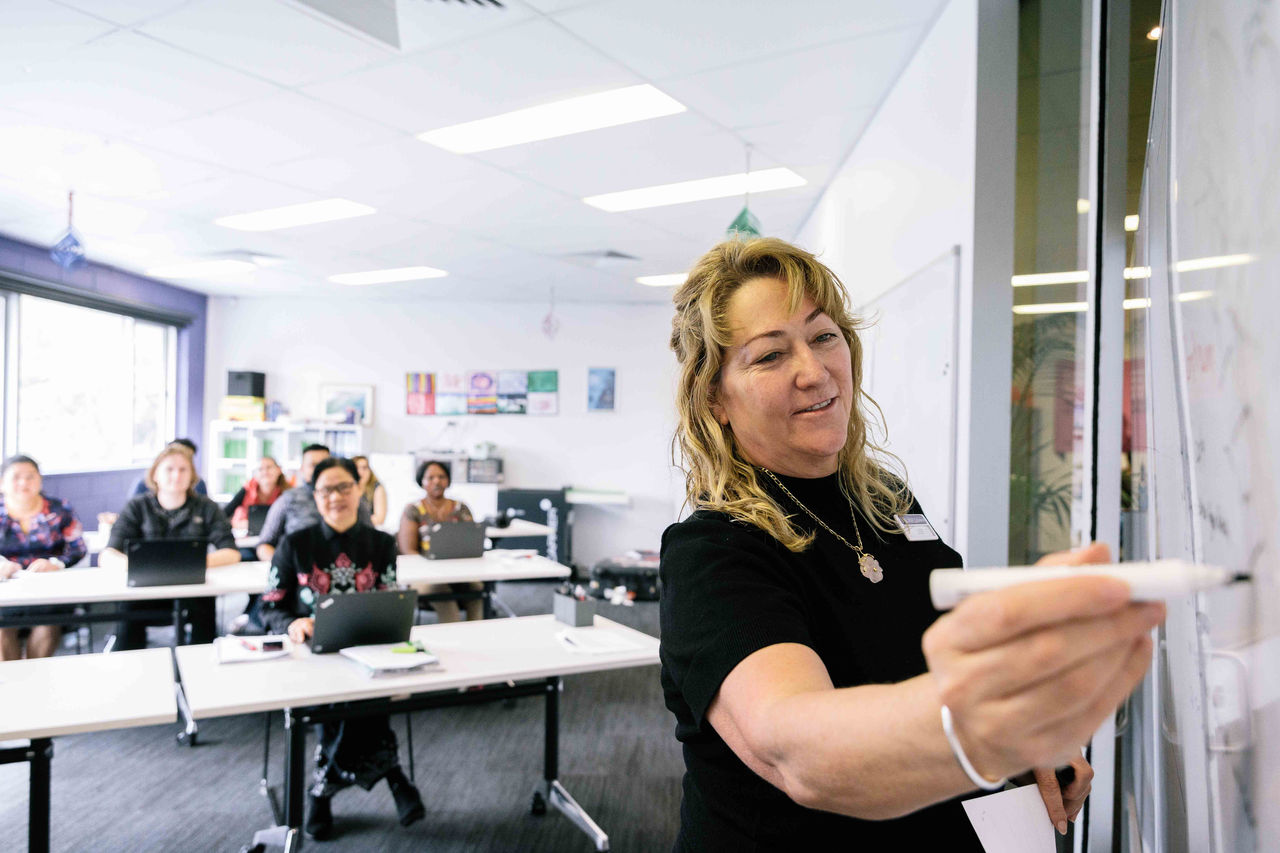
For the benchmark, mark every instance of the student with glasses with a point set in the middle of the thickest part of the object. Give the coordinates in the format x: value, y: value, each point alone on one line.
x: 339, y: 554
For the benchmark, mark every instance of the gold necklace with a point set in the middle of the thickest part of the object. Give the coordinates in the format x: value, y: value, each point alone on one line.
x: 867, y: 564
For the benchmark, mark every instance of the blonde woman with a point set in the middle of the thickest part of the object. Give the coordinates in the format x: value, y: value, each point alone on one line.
x: 171, y: 509
x: 372, y: 491
x: 794, y: 609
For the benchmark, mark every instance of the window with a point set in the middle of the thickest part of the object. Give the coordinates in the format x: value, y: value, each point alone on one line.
x: 95, y: 389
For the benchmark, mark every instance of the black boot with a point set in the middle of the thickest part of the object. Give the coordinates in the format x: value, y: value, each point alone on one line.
x: 408, y: 804
x: 319, y: 823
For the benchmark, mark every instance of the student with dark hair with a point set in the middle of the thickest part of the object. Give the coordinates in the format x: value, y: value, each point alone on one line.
x: 37, y: 534
x: 415, y: 536
x: 296, y: 508
x: 338, y: 554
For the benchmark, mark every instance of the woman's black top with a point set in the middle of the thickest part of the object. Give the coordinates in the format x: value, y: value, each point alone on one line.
x: 728, y: 590
x: 198, y: 518
x: 317, y: 561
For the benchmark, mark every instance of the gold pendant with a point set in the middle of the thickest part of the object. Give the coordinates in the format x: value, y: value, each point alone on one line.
x: 870, y: 568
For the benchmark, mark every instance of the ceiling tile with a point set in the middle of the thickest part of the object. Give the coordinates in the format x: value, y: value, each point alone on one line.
x: 266, y: 38
x: 803, y: 84
x: 270, y: 130
x: 824, y: 140
x: 36, y: 30
x: 124, y: 83
x: 124, y: 12
x: 524, y: 65
x: 551, y: 7
x: 380, y: 173
x: 665, y: 38
x: 427, y: 23
x: 230, y: 193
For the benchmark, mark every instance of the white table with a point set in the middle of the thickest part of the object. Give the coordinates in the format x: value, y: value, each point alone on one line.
x: 512, y: 657
x: 96, y: 540
x: 48, y: 697
x: 518, y: 527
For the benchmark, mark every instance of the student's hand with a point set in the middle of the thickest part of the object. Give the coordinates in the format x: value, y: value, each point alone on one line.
x: 43, y: 565
x: 107, y: 517
x: 1064, y: 804
x: 8, y: 568
x: 301, y: 629
x: 1031, y: 671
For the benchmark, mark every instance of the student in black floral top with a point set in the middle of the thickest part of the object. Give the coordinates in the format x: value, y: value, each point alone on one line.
x: 338, y: 555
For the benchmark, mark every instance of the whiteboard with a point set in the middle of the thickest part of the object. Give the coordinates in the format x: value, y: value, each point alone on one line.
x: 909, y: 369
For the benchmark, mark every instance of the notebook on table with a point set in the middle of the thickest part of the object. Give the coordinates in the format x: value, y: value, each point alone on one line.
x: 391, y: 658
x: 456, y: 540
x: 362, y: 619
x: 166, y: 562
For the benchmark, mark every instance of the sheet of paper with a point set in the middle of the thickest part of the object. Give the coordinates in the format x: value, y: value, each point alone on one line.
x: 1012, y: 821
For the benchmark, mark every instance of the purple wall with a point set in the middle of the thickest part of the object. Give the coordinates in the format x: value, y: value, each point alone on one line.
x: 106, y: 491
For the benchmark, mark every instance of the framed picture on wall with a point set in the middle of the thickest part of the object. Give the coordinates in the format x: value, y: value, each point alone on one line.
x: 350, y: 404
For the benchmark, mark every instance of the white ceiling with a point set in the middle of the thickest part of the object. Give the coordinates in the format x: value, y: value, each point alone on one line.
x: 166, y: 114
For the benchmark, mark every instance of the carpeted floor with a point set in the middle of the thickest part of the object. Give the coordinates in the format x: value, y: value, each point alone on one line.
x: 476, y: 767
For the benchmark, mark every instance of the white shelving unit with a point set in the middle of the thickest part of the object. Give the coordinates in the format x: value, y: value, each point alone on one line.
x: 235, y: 447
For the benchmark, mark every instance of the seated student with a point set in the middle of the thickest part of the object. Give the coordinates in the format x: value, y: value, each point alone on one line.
x: 171, y: 509
x: 263, y: 489
x: 296, y: 508
x: 339, y: 554
x: 374, y: 493
x: 415, y: 536
x: 38, y: 534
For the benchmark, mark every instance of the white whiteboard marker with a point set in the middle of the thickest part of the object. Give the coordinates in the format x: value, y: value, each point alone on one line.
x: 1154, y: 581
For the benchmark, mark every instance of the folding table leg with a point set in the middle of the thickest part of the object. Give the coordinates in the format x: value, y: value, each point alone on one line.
x: 295, y: 762
x: 38, y: 805
x: 551, y: 792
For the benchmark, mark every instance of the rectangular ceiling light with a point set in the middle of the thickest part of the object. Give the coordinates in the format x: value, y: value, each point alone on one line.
x: 1034, y: 279
x: 560, y: 118
x: 388, y: 276
x: 723, y: 186
x: 668, y: 280
x: 1131, y: 222
x: 1214, y: 262
x: 1052, y: 308
x: 201, y: 269
x: 293, y: 215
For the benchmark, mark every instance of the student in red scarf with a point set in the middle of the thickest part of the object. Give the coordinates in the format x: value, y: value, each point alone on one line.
x: 268, y: 483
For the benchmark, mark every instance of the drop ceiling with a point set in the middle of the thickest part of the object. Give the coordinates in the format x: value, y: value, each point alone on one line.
x: 164, y: 115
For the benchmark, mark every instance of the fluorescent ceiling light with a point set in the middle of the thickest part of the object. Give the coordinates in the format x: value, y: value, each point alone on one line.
x: 669, y: 280
x: 293, y: 215
x: 1213, y: 262
x: 201, y: 269
x: 1131, y: 273
x: 1154, y: 33
x: 1051, y: 308
x: 388, y: 276
x: 723, y: 186
x: 560, y: 118
x: 1194, y: 295
x: 1082, y: 206
x: 1139, y: 302
x: 1034, y: 279
x: 1131, y: 222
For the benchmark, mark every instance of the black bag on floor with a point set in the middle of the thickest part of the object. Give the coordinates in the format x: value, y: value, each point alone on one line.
x: 635, y: 570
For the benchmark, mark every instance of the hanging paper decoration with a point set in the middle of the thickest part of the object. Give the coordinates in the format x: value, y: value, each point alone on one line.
x: 745, y: 224
x: 68, y: 252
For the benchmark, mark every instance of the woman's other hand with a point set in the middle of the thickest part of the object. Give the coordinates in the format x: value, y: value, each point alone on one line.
x: 1064, y: 804
x: 1031, y: 671
x: 301, y: 629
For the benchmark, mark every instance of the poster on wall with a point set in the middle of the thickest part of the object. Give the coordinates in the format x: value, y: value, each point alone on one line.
x: 513, y: 392
x: 544, y: 392
x: 482, y: 393
x: 451, y: 394
x: 600, y: 384
x: 420, y: 393
x: 348, y: 404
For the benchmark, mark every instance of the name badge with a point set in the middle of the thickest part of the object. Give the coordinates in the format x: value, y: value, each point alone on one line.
x: 916, y: 527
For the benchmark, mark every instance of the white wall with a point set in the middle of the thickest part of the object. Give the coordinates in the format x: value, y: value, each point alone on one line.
x: 300, y: 346
x: 903, y: 199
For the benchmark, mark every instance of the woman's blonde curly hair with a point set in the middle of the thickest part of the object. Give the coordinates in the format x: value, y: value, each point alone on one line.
x: 717, y: 476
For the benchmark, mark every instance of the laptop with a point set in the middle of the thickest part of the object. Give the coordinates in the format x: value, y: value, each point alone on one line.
x: 363, y: 619
x: 257, y: 517
x: 166, y: 562
x: 456, y: 540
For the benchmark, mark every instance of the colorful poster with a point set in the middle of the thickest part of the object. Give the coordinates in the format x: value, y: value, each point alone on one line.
x: 451, y: 394
x: 513, y: 392
x: 420, y: 393
x: 600, y: 384
x: 482, y: 393
x: 544, y: 392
